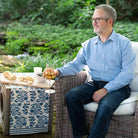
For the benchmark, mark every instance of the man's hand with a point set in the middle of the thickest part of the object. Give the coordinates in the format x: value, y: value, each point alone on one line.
x: 50, y: 73
x: 57, y: 73
x: 98, y: 95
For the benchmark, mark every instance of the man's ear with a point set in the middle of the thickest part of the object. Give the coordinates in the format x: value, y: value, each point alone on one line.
x: 110, y: 21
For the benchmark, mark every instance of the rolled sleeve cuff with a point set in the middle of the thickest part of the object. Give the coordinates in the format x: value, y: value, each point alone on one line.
x: 108, y: 88
x: 60, y: 75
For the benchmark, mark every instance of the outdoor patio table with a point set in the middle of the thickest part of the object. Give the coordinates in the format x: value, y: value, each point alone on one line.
x: 26, y: 109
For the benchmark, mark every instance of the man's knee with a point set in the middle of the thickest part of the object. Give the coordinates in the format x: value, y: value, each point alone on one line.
x: 106, y: 107
x: 70, y: 95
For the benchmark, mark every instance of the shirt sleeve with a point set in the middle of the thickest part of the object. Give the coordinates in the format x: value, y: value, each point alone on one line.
x: 74, y: 66
x: 126, y: 74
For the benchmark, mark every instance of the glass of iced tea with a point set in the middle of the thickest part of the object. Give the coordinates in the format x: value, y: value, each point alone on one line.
x: 49, y: 72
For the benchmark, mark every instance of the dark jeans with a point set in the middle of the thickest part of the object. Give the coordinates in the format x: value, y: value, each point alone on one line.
x: 78, y: 96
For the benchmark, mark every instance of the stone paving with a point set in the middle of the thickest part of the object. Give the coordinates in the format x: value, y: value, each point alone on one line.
x: 7, y: 62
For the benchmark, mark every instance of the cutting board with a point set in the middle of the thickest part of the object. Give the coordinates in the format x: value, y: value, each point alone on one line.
x: 46, y: 84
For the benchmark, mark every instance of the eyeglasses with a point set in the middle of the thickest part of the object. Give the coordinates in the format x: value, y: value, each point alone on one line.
x: 97, y: 20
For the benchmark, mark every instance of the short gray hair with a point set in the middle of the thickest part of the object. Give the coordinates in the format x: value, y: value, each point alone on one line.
x: 109, y: 11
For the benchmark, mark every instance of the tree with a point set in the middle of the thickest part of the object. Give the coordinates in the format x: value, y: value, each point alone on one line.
x: 107, y: 2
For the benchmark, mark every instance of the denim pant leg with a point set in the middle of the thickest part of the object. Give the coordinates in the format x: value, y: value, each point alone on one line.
x: 105, y: 110
x: 75, y: 98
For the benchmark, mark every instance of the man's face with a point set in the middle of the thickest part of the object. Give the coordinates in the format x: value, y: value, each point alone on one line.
x: 99, y: 22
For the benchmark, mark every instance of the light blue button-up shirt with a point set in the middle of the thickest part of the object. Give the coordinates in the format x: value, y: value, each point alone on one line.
x: 112, y: 61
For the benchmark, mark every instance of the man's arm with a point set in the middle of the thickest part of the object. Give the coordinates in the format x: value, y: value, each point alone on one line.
x: 127, y: 72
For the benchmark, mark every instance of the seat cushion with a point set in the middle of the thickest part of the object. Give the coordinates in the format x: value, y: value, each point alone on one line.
x: 127, y: 107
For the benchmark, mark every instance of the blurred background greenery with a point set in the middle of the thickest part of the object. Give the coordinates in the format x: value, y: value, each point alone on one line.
x: 51, y: 31
x: 66, y: 12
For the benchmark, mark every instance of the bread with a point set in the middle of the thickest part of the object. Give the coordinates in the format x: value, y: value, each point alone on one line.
x: 9, y: 75
x: 26, y: 79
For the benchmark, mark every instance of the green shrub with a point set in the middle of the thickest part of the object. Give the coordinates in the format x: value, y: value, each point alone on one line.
x: 14, y: 43
x: 40, y: 61
x: 128, y: 29
x: 66, y: 12
x: 126, y: 9
x: 61, y: 44
x: 57, y: 40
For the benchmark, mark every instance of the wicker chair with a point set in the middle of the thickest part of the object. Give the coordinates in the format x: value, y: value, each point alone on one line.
x: 121, y: 126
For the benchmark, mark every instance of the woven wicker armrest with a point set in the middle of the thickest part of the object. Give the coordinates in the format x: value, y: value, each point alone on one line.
x: 63, y: 84
x: 136, y: 122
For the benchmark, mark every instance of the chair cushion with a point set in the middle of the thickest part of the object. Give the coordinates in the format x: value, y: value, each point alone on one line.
x: 134, y: 83
x: 135, y: 47
x: 127, y: 107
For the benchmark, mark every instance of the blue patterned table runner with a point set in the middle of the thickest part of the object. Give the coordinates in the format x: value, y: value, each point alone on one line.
x: 29, y: 110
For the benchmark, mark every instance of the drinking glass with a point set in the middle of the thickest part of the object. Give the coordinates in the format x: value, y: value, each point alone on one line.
x: 37, y: 70
x: 49, y: 72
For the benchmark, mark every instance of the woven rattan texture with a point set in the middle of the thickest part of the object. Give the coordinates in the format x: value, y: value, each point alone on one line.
x: 120, y: 126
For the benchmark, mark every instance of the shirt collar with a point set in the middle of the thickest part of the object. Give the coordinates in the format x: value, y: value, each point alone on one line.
x: 112, y: 36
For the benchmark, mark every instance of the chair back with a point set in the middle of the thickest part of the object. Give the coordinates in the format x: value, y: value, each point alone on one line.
x: 134, y: 83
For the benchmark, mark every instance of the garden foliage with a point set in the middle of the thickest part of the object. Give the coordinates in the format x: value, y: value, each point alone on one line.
x: 66, y: 12
x: 57, y: 40
x: 52, y: 31
x: 60, y: 43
